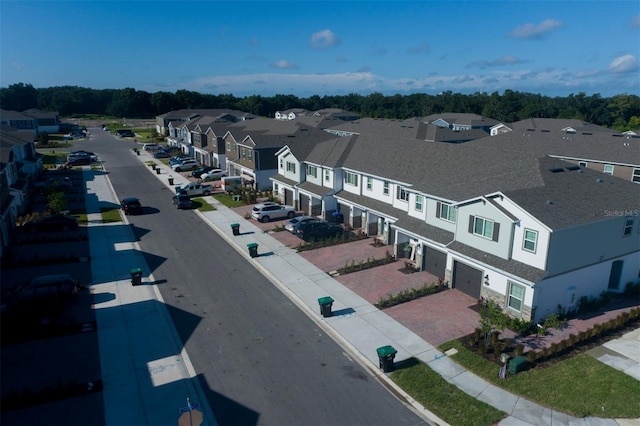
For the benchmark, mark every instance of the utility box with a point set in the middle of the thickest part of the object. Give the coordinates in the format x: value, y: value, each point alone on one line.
x: 518, y: 364
x: 504, y: 358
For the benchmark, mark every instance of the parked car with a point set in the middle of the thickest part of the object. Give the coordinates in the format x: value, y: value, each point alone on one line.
x: 313, y: 230
x: 131, y: 205
x: 291, y: 225
x: 44, y: 288
x: 179, y: 159
x: 78, y: 161
x: 89, y: 154
x: 151, y: 147
x: 161, y: 154
x: 185, y: 165
x: 200, y: 171
x: 182, y: 201
x: 213, y: 174
x: 56, y: 222
x: 265, y: 212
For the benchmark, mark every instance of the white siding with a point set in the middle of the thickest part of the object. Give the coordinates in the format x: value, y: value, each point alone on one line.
x: 486, y: 210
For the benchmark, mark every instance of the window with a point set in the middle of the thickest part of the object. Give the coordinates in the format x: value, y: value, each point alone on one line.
x: 312, y: 171
x: 635, y: 177
x: 291, y: 167
x: 228, y: 146
x: 402, y: 194
x: 275, y: 189
x: 281, y: 163
x: 369, y: 183
x: 446, y: 212
x: 483, y: 227
x: 516, y: 297
x: 244, y: 152
x: 530, y: 239
x: 327, y: 175
x: 250, y: 154
x: 385, y: 189
x: 351, y: 178
x: 628, y: 226
x: 419, y: 203
x: 608, y: 169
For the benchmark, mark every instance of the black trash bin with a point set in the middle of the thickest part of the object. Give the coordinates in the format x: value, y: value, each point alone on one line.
x: 136, y: 276
x: 338, y: 217
x: 170, y: 178
x: 158, y: 170
x: 386, y: 355
x: 235, y: 227
x: 137, y: 151
x: 253, y: 249
x: 325, y: 306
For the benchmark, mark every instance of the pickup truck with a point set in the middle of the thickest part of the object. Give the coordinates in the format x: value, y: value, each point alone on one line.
x: 194, y: 189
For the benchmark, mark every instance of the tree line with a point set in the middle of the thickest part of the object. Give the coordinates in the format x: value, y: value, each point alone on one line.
x: 620, y: 112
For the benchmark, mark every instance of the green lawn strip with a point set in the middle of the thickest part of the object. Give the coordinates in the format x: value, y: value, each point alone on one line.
x: 202, y: 205
x: 441, y: 397
x: 81, y: 216
x: 110, y: 214
x: 228, y: 201
x: 52, y: 159
x: 580, y: 386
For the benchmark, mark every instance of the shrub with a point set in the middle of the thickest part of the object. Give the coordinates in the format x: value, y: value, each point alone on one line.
x: 519, y: 349
x: 531, y: 356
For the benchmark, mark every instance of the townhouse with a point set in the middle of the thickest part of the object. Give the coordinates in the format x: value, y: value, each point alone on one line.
x: 19, y: 167
x: 515, y: 217
x: 33, y: 120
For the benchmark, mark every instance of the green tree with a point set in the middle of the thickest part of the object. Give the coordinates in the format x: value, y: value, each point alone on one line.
x: 18, y: 97
x: 56, y: 201
x: 491, y: 318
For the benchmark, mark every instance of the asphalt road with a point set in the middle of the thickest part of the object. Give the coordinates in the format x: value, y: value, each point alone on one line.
x: 259, y: 358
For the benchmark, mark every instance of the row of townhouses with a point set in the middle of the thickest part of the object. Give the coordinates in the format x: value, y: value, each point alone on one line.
x: 32, y: 120
x: 534, y: 214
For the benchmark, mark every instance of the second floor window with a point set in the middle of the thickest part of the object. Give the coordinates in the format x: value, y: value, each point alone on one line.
x: 385, y: 188
x: 608, y: 169
x: 446, y: 212
x: 403, y: 194
x: 483, y: 227
x: 291, y: 167
x: 312, y: 171
x: 530, y: 240
x: 327, y: 175
x: 369, y: 183
x: 628, y: 226
x: 351, y: 178
x: 228, y: 146
x: 419, y: 203
x: 244, y: 152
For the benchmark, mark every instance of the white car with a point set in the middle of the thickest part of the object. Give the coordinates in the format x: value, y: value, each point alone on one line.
x: 185, y: 165
x: 214, y: 174
x: 265, y: 212
x: 151, y: 147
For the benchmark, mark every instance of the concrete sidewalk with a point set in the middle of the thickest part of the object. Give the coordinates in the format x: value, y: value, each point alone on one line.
x: 357, y: 325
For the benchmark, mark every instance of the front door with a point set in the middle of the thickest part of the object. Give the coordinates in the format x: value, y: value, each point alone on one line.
x: 616, y: 273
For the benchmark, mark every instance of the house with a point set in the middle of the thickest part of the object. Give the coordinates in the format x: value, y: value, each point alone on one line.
x: 46, y: 121
x: 18, y: 120
x: 515, y: 223
x: 163, y: 121
x: 20, y: 165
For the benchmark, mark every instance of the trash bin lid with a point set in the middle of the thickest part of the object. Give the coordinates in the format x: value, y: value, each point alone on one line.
x: 233, y: 225
x: 325, y: 300
x: 252, y: 245
x: 136, y: 271
x: 386, y: 351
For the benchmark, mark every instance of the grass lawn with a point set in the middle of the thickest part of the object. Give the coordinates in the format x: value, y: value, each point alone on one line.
x: 228, y: 201
x: 580, y: 386
x: 442, y: 398
x: 110, y: 214
x: 202, y: 205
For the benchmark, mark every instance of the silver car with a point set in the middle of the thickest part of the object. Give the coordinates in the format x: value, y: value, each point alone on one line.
x: 291, y: 225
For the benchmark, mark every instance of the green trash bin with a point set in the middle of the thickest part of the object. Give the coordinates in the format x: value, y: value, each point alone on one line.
x: 325, y: 306
x: 386, y: 355
x: 136, y: 276
x: 253, y: 249
x: 517, y: 364
x: 235, y: 227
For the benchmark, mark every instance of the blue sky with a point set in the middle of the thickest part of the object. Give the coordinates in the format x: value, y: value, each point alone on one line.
x: 322, y: 48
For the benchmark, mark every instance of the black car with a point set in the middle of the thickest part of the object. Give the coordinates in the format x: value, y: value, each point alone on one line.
x: 200, y: 171
x: 51, y: 223
x: 161, y: 154
x: 78, y: 161
x: 182, y: 201
x: 314, y: 230
x: 131, y: 205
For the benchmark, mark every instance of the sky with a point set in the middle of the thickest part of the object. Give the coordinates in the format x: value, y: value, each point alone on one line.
x: 306, y: 48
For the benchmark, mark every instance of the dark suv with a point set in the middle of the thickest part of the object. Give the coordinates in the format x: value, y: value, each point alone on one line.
x: 313, y: 230
x: 131, y: 205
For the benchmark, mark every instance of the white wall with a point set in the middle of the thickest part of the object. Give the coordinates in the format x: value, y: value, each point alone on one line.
x: 486, y: 210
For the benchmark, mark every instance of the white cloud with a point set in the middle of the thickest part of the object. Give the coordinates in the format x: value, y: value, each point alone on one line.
x: 505, y: 60
x: 282, y: 64
x: 623, y: 64
x: 422, y: 48
x: 324, y: 39
x: 535, y: 31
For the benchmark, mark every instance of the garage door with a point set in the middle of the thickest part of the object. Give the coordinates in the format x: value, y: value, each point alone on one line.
x: 467, y: 279
x: 435, y: 262
x: 304, y: 203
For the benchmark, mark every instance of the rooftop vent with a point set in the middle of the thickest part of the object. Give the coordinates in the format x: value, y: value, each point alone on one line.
x: 544, y: 131
x: 574, y: 167
x: 617, y: 136
x: 599, y: 180
x: 549, y: 202
x: 556, y: 170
